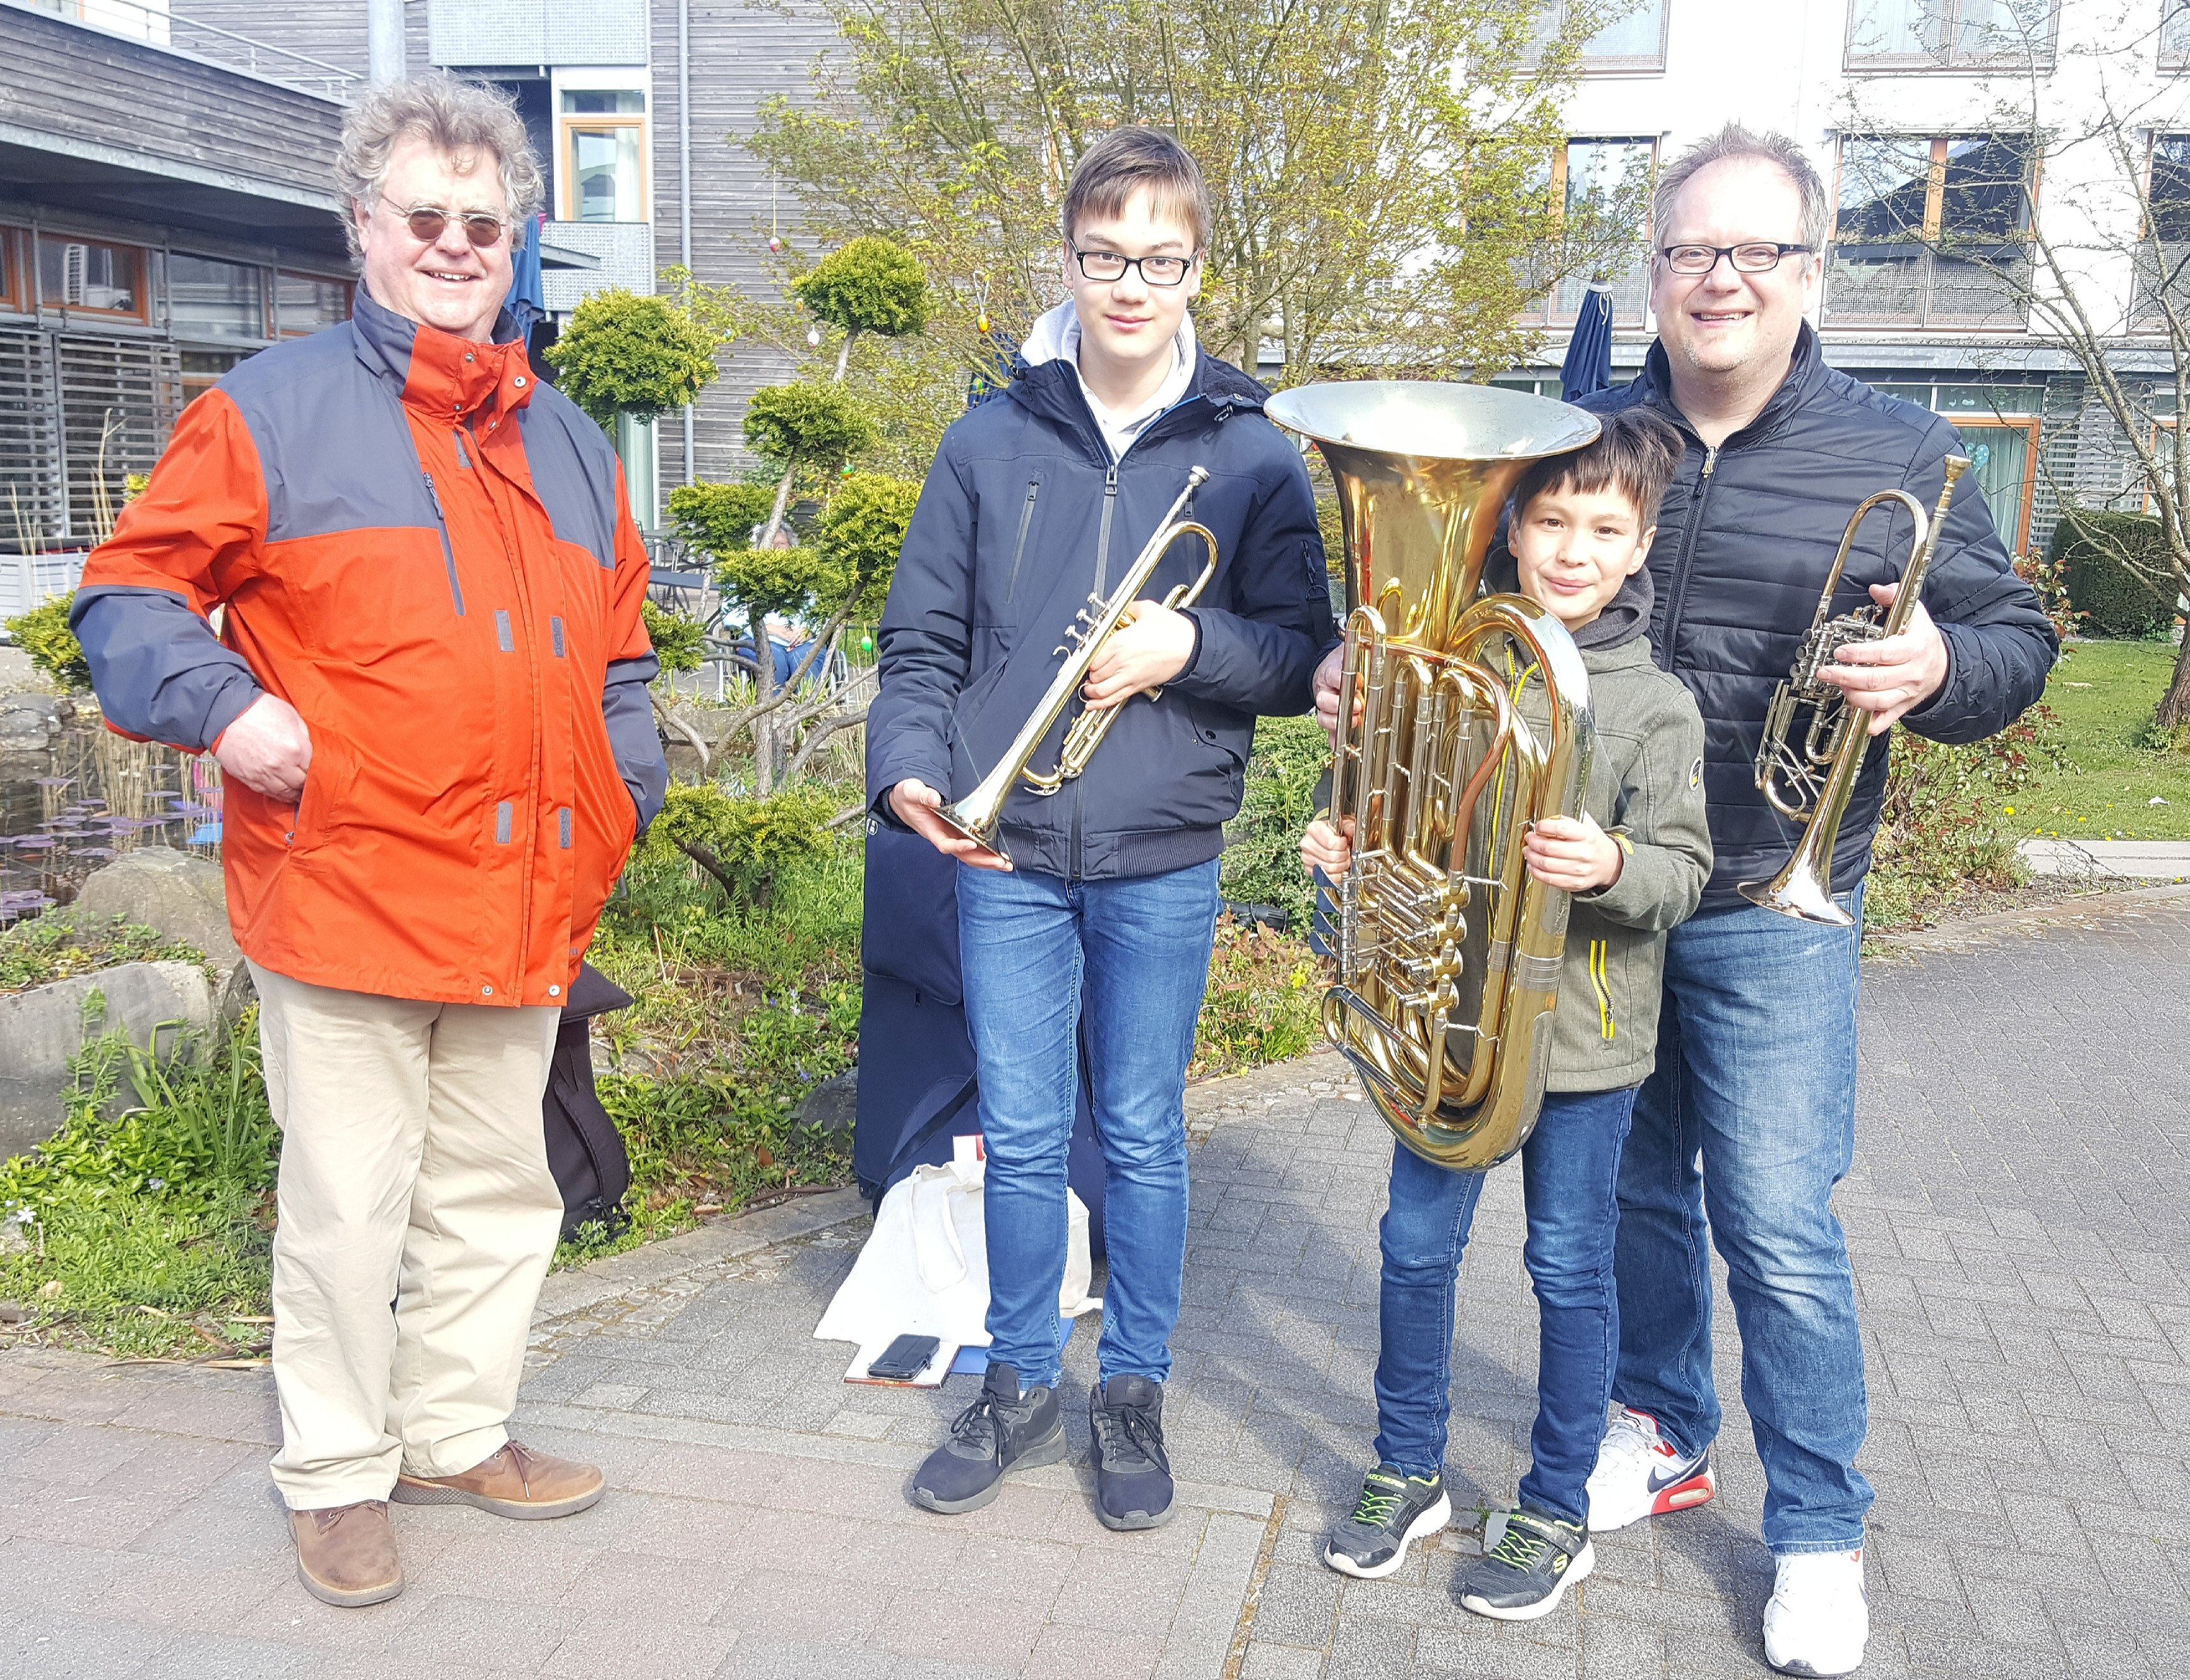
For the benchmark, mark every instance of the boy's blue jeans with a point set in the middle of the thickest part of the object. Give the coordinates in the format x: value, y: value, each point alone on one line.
x: 1028, y: 945
x: 1569, y: 1170
x: 1751, y: 1115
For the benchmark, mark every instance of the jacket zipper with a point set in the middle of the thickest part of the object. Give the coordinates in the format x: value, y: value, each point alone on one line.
x: 448, y: 548
x: 1682, y: 566
x: 1101, y: 592
x: 1018, y: 548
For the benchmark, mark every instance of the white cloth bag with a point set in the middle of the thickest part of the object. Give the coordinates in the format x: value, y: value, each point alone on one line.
x: 924, y: 1270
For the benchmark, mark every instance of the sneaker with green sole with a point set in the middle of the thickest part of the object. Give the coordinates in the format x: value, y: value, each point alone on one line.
x: 1527, y: 1568
x: 1394, y: 1511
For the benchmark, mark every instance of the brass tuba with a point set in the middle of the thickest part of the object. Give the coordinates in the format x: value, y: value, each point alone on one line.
x: 1461, y: 721
x: 1813, y: 783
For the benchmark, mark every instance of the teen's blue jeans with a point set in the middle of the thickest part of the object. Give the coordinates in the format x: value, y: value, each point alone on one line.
x: 1750, y: 1119
x: 1569, y: 1169
x: 1029, y: 945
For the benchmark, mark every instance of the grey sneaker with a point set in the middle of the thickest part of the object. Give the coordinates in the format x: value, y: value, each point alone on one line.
x: 1394, y: 1511
x: 1527, y: 1569
x: 1133, y: 1472
x: 1003, y: 1430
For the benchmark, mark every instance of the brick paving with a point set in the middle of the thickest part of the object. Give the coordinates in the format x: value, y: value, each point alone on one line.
x: 2020, y: 1218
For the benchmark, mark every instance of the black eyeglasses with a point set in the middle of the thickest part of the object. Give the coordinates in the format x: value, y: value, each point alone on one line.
x: 426, y: 222
x: 1108, y: 265
x: 1755, y: 256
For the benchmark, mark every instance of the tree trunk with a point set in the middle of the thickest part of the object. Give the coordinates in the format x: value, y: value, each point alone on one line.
x: 775, y: 513
x: 2174, y: 705
x: 764, y: 727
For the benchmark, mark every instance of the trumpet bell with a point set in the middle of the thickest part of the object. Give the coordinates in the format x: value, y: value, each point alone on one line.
x: 1799, y: 892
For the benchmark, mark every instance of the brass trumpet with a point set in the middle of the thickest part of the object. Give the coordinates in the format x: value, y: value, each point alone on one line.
x: 980, y: 813
x: 1472, y: 723
x: 1813, y: 783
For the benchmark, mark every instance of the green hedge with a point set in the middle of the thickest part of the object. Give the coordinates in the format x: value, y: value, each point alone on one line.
x: 2089, y: 547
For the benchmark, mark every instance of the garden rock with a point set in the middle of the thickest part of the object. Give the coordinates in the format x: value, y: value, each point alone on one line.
x: 41, y: 1029
x: 834, y: 1103
x: 184, y: 897
x: 29, y: 723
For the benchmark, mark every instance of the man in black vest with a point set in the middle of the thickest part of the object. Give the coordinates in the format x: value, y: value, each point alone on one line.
x: 1752, y: 1111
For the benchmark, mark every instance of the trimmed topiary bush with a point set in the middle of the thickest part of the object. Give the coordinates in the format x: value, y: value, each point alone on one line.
x: 2098, y: 555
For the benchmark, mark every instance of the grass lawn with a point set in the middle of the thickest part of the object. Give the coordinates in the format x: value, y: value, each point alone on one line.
x: 2104, y: 693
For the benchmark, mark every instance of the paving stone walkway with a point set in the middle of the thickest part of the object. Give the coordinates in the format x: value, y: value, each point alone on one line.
x: 2020, y: 1218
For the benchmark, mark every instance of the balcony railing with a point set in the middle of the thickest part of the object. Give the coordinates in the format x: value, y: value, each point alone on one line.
x: 160, y: 25
x: 1913, y: 285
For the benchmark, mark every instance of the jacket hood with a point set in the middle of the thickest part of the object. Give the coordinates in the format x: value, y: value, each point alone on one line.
x: 1045, y: 381
x: 1625, y: 617
x: 1055, y: 336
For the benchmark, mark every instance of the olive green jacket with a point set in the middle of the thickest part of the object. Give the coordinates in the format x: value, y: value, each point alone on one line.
x: 1645, y: 791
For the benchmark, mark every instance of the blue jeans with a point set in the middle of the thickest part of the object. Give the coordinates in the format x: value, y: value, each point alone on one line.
x: 1029, y: 945
x: 1751, y: 1116
x: 1569, y: 1169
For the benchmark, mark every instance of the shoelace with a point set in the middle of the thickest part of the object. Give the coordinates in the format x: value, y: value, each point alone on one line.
x: 1130, y: 1432
x: 982, y: 1425
x: 521, y: 1458
x: 1379, y: 1500
x: 1519, y: 1546
x: 1627, y: 1439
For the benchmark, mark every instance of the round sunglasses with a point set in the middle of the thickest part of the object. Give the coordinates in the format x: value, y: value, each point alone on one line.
x: 426, y: 221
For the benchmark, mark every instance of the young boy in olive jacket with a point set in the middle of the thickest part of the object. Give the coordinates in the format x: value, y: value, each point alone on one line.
x: 1635, y: 861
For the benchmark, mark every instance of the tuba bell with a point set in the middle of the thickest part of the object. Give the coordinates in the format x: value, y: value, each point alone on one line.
x: 1461, y: 721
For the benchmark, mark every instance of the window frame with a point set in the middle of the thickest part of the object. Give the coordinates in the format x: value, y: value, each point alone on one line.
x: 1855, y: 62
x: 1545, y: 313
x: 569, y: 124
x: 196, y: 337
x: 15, y: 279
x: 277, y: 332
x: 1608, y: 63
x: 1925, y: 245
x: 2029, y: 426
x: 140, y: 314
x: 2177, y: 62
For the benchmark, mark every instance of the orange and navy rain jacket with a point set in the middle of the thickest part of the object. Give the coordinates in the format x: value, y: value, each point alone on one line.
x: 429, y: 556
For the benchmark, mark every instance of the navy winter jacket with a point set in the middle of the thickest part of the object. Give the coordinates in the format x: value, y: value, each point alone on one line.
x: 1023, y: 517
x: 1745, y: 536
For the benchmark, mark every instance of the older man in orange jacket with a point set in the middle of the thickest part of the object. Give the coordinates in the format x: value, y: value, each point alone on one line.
x: 429, y: 697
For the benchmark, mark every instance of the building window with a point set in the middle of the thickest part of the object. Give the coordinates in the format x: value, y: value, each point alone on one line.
x: 1603, y: 187
x: 305, y: 303
x: 97, y: 278
x: 15, y: 296
x: 207, y: 298
x: 2175, y: 36
x: 1931, y: 232
x: 2164, y: 257
x: 1635, y: 42
x: 202, y: 369
x: 603, y: 155
x: 1905, y: 35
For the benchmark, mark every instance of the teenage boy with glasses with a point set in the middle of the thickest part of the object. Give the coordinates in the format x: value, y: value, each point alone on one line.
x: 1097, y: 909
x: 1750, y: 1112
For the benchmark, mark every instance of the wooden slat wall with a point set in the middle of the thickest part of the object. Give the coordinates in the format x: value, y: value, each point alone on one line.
x: 30, y: 462
x: 79, y: 84
x: 741, y: 56
x: 119, y: 398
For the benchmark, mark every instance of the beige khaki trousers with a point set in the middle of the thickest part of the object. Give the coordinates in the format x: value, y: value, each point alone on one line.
x: 414, y: 1171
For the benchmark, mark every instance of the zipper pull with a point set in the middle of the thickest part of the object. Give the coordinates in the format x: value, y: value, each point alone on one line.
x: 1710, y: 460
x: 456, y: 433
x: 434, y: 497
x: 1110, y: 480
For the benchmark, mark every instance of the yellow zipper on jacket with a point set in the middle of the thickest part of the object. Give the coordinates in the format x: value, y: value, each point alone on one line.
x: 1599, y: 976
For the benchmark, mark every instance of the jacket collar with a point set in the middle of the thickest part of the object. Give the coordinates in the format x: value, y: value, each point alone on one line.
x: 1802, y: 373
x: 438, y: 374
x: 1052, y: 390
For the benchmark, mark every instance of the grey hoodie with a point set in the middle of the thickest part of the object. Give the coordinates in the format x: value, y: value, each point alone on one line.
x: 1645, y: 791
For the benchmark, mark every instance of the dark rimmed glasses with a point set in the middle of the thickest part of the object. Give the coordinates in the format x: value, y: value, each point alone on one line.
x: 1107, y: 266
x: 426, y: 222
x: 1755, y: 256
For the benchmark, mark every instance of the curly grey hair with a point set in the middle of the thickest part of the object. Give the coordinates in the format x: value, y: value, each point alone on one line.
x: 1735, y: 141
x: 458, y: 118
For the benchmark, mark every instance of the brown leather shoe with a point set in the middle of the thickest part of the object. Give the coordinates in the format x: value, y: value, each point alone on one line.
x: 346, y: 1554
x: 515, y: 1482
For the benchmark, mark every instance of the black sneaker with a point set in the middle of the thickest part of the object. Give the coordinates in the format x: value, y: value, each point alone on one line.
x: 1132, y: 1474
x: 1003, y: 1430
x: 1394, y: 1511
x: 1526, y: 1573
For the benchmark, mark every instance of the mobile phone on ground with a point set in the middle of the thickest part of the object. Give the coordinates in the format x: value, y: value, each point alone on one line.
x: 904, y: 1358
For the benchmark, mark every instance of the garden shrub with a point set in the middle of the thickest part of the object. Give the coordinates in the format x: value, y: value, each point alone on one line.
x: 744, y: 842
x: 2106, y: 561
x: 43, y: 633
x: 680, y: 641
x: 1261, y: 860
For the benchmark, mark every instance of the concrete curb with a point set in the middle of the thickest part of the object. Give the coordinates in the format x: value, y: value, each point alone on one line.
x: 587, y: 1286
x: 2085, y: 911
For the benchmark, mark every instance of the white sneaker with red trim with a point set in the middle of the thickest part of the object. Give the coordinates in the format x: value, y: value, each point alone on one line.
x: 1638, y: 1474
